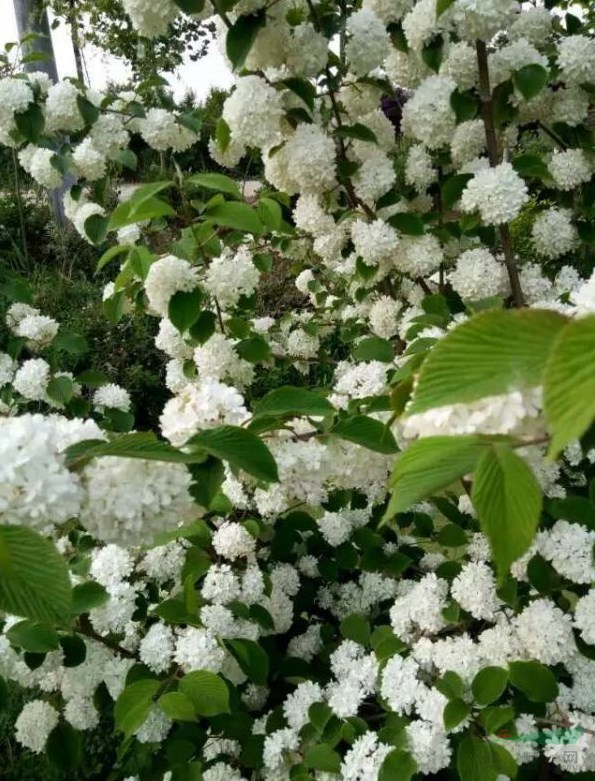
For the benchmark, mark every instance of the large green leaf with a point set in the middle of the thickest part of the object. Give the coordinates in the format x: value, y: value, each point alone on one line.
x: 508, y: 501
x: 178, y: 706
x: 397, y: 766
x: 241, y: 36
x: 429, y: 465
x: 184, y: 308
x: 488, y: 355
x: 34, y: 580
x: 218, y: 182
x: 134, y: 704
x: 489, y: 684
x: 530, y: 80
x: 535, y: 680
x: 238, y: 216
x: 139, y: 444
x: 288, y: 400
x: 33, y: 636
x: 206, y: 691
x: 367, y: 432
x: 569, y: 387
x: 252, y: 659
x: 322, y: 757
x: 237, y: 446
x: 475, y: 761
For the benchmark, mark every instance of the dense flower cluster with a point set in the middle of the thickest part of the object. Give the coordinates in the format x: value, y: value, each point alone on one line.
x: 265, y: 601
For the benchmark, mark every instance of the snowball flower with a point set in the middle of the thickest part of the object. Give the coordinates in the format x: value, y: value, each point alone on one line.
x: 419, y: 171
x: 478, y: 274
x: 576, y: 59
x: 253, y: 112
x: 553, y: 233
x: 157, y: 647
x: 474, y: 589
x: 498, y: 193
x: 162, y: 131
x: 151, y: 19
x: 369, y: 42
x: 128, y: 501
x: 374, y: 241
x: 428, y: 116
x: 400, y: 684
x: 570, y: 168
x: 167, y: 276
x: 111, y: 396
x: 230, y: 276
x: 34, y: 724
x: 32, y: 378
x: 233, y: 541
x: 545, y: 632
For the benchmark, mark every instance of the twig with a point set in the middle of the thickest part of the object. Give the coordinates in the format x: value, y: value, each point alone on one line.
x: 88, y: 631
x: 487, y: 112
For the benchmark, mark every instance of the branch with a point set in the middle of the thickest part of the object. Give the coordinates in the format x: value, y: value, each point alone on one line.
x: 487, y: 113
x: 87, y: 630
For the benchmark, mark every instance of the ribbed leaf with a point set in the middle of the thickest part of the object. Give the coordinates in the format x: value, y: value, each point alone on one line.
x: 508, y: 501
x: 237, y: 446
x: 34, y: 581
x: 430, y: 465
x: 570, y: 383
x: 293, y: 401
x: 488, y: 355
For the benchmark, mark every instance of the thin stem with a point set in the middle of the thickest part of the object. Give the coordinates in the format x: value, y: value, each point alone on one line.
x: 87, y: 630
x: 219, y: 317
x: 17, y: 192
x: 487, y: 113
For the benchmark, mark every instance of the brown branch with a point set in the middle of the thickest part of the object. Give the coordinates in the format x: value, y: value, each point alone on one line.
x: 487, y: 113
x: 84, y: 628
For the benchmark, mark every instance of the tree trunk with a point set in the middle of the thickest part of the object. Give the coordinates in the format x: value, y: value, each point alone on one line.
x: 32, y: 17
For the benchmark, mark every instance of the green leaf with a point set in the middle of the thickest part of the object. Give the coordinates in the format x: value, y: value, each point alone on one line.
x: 409, y: 224
x: 531, y: 165
x: 238, y: 216
x: 111, y: 254
x: 474, y: 760
x: 270, y: 213
x: 71, y: 343
x: 303, y: 89
x: 240, y: 448
x: 34, y: 580
x: 4, y: 694
x: 92, y: 378
x: 254, y: 350
x: 291, y: 401
x: 451, y: 536
x: 452, y: 189
x: 530, y: 80
x: 322, y: 757
x: 207, y: 692
x: 508, y: 501
x: 397, y: 766
x: 87, y: 596
x: 96, y: 227
x: 487, y: 355
x: 433, y: 52
x: 60, y: 389
x: 178, y: 706
x: 569, y: 392
x: 139, y: 444
x: 33, y: 636
x: 489, y: 684
x: 429, y: 465
x: 503, y: 761
x: 252, y: 659
x: 222, y: 134
x: 30, y: 123
x: 204, y: 327
x: 64, y: 747
x: 127, y: 158
x: 190, y: 6
x: 451, y: 685
x: 240, y: 37
x: 495, y: 717
x: 373, y: 348
x: 184, y: 308
x: 357, y: 628
x: 442, y: 6
x: 218, y: 182
x: 535, y: 680
x: 134, y: 704
x: 74, y: 650
x: 89, y: 112
x: 357, y: 131
x: 368, y: 433
x: 464, y: 105
x: 455, y: 711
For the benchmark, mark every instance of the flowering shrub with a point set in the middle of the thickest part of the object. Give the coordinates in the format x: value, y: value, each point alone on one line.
x: 386, y: 572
